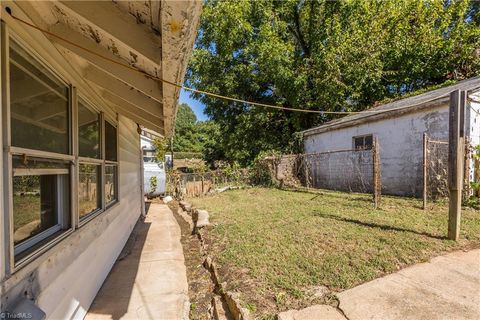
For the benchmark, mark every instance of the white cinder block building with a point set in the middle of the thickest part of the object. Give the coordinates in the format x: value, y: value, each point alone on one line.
x: 399, y: 131
x: 71, y: 176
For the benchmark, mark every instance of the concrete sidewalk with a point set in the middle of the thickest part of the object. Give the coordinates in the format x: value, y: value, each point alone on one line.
x: 447, y: 287
x: 149, y: 281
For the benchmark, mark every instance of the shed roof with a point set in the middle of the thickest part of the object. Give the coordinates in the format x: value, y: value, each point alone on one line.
x: 407, y: 105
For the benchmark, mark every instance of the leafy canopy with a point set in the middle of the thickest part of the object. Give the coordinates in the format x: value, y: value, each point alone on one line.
x: 322, y: 55
x: 191, y: 135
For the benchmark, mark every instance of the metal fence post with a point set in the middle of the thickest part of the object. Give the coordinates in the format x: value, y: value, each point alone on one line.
x: 425, y: 169
x: 377, y: 185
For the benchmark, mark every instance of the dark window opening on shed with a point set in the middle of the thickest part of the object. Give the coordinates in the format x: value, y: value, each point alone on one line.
x: 363, y: 142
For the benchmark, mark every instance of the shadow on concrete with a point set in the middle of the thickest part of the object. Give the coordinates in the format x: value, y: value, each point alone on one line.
x: 114, y: 296
x: 377, y: 226
x: 147, y: 206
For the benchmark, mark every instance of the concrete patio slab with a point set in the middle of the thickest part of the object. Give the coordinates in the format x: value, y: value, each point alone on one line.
x: 447, y: 287
x: 150, y: 281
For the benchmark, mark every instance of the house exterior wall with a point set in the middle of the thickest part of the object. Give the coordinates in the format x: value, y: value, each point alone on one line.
x: 64, y: 280
x: 401, y: 145
x: 473, y: 114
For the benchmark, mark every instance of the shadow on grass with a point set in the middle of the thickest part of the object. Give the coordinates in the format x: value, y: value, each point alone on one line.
x: 377, y: 226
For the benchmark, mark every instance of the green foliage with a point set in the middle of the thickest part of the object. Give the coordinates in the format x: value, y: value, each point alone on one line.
x: 322, y: 55
x: 153, y: 184
x: 190, y: 135
x: 187, y: 155
x: 161, y: 146
x: 261, y: 170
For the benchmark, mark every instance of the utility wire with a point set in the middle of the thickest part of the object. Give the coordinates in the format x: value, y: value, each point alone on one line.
x: 219, y: 96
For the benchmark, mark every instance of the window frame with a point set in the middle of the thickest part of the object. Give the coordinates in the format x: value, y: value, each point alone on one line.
x: 45, y: 234
x: 363, y: 137
x: 11, y: 266
x: 116, y: 164
x: 51, y: 237
x: 81, y: 221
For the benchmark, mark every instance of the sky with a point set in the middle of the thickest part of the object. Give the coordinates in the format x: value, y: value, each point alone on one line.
x: 196, y: 106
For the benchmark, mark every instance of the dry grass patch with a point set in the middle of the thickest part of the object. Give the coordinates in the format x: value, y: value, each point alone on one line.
x: 276, y: 247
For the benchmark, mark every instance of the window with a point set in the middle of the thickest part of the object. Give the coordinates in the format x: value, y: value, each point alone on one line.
x: 90, y: 162
x: 89, y: 192
x: 41, y: 201
x: 110, y: 183
x: 110, y: 142
x: 40, y: 153
x: 363, y: 142
x: 38, y: 105
x: 111, y: 165
x: 88, y: 131
x: 42, y: 167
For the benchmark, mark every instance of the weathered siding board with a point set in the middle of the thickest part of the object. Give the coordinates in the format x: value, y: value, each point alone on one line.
x: 401, y: 146
x: 67, y: 278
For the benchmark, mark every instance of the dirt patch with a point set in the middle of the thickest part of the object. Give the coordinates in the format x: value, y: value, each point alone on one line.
x: 200, y: 286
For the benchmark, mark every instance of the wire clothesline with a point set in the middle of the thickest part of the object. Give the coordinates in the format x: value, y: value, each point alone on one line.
x: 211, y: 94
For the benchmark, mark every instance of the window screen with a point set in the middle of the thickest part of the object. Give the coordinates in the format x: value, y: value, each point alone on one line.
x: 110, y: 142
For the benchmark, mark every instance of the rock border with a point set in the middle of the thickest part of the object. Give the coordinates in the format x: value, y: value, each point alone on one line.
x: 190, y: 214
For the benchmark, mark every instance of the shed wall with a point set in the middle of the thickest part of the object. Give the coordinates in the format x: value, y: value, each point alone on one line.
x: 474, y: 131
x: 401, y: 145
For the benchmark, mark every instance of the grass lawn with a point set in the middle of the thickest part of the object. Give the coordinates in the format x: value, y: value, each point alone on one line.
x: 276, y: 247
x: 26, y: 209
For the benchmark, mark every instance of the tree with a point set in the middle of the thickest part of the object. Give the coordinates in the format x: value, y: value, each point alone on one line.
x: 322, y: 55
x: 186, y: 138
x: 192, y: 135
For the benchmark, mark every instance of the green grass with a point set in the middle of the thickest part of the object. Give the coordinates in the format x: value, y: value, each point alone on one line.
x: 26, y: 209
x: 274, y: 246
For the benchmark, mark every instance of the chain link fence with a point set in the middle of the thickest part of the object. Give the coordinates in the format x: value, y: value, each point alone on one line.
x: 342, y: 170
x: 435, y: 170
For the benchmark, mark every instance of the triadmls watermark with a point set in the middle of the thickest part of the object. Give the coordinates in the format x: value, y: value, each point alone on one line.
x: 16, y: 315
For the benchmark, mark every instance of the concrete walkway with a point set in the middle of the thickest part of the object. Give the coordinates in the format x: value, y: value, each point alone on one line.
x: 149, y: 281
x: 447, y: 287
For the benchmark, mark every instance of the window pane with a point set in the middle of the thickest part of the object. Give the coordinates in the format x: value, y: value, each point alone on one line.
x: 39, y: 105
x: 40, y: 199
x: 88, y: 132
x: 358, y: 143
x: 110, y: 142
x: 88, y: 189
x: 368, y: 142
x: 110, y: 183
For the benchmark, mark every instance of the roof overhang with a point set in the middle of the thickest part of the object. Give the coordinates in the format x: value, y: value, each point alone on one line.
x: 155, y: 37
